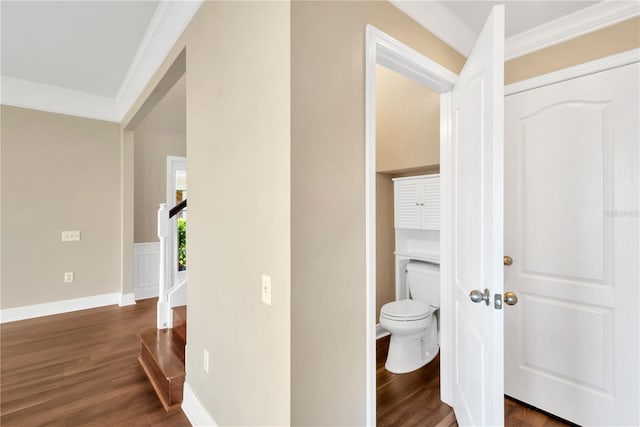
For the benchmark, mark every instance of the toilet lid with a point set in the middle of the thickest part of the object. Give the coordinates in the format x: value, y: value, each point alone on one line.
x: 406, y: 309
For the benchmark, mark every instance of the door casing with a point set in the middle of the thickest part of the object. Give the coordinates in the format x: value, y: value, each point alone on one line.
x: 384, y: 50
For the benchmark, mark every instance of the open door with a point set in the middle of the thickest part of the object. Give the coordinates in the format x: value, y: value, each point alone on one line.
x: 475, y: 209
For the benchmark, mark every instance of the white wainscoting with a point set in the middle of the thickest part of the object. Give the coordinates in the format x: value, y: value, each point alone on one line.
x: 146, y: 269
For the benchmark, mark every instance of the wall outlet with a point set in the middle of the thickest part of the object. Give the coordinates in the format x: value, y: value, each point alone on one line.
x: 71, y: 236
x: 205, y: 361
x: 266, y: 289
x: 68, y: 277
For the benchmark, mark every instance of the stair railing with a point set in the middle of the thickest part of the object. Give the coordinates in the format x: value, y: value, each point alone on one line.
x: 164, y: 313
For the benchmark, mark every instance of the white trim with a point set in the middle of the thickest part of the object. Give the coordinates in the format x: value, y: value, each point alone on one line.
x: 584, y: 21
x: 598, y: 65
x: 127, y: 299
x: 54, y: 99
x: 440, y: 21
x: 58, y: 307
x: 381, y: 332
x: 167, y: 25
x: 446, y: 254
x: 196, y: 413
x: 385, y: 50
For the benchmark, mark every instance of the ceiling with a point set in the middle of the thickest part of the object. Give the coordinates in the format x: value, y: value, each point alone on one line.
x: 94, y: 58
x: 86, y: 46
x: 520, y: 16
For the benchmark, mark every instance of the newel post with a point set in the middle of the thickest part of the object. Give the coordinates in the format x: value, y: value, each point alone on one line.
x: 163, y: 234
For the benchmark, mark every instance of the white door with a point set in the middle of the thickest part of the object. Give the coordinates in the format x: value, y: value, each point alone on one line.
x: 474, y: 195
x: 571, y: 218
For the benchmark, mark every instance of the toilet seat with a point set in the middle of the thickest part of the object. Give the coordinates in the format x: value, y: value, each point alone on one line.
x: 406, y: 310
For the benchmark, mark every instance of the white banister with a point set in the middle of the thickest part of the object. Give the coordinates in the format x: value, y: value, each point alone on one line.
x: 164, y: 312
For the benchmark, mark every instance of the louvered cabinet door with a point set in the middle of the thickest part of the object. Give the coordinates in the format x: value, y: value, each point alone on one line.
x: 407, y: 206
x: 430, y: 203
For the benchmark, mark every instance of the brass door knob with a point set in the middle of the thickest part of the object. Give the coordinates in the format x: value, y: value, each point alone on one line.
x: 507, y: 260
x: 510, y: 298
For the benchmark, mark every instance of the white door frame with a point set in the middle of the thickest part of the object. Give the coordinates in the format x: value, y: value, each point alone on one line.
x: 384, y: 50
x: 174, y: 163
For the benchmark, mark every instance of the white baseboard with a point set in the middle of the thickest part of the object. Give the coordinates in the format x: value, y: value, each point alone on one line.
x: 193, y: 409
x: 127, y: 299
x: 58, y: 307
x: 381, y: 332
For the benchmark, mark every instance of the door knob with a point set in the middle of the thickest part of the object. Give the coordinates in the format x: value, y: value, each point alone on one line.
x: 477, y: 296
x: 510, y: 298
x: 507, y: 260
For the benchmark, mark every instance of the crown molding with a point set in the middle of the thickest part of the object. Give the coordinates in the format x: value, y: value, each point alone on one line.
x: 55, y: 99
x: 440, y: 21
x: 584, y: 21
x: 166, y: 26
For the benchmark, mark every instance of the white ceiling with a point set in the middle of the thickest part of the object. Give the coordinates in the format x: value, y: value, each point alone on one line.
x: 520, y: 16
x: 86, y: 46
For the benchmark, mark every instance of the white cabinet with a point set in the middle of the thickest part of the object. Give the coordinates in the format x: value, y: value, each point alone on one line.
x: 417, y: 202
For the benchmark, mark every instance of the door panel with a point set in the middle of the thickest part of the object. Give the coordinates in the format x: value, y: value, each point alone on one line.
x: 571, y: 226
x: 407, y: 209
x: 477, y: 229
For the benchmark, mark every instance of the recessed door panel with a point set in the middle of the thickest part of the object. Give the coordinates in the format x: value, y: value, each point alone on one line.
x: 565, y: 188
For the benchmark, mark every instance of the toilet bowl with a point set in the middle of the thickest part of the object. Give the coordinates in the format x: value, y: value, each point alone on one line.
x: 414, y: 335
x: 413, y: 322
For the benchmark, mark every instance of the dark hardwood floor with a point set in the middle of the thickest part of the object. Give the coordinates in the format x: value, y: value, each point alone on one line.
x: 78, y: 369
x: 413, y: 399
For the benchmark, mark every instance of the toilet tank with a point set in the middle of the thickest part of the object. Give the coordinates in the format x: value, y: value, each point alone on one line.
x: 423, y: 281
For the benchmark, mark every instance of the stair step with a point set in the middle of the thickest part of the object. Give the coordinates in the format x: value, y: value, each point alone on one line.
x: 180, y: 324
x: 179, y: 315
x: 180, y: 334
x: 163, y: 361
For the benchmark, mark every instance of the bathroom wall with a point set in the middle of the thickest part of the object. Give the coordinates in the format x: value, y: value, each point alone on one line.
x: 407, y: 144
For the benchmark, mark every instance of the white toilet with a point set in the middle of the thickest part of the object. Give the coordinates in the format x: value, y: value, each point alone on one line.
x: 412, y: 322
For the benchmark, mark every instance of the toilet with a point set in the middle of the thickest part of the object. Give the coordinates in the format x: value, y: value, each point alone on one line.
x: 412, y: 322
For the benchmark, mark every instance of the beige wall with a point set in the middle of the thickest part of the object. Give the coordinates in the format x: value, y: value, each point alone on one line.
x: 607, y: 41
x: 58, y: 173
x: 238, y: 140
x: 407, y: 123
x: 160, y: 134
x: 328, y: 200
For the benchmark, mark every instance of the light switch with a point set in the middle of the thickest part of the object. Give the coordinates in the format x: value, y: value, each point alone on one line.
x: 266, y: 289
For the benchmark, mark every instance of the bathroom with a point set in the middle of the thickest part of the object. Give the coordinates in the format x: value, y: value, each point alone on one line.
x: 407, y: 146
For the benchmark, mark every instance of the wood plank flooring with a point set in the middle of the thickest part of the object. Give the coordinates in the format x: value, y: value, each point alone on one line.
x: 413, y: 399
x: 79, y: 369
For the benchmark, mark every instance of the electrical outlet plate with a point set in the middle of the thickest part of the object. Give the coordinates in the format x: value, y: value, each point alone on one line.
x: 266, y: 289
x: 205, y: 361
x: 68, y: 277
x: 71, y: 236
